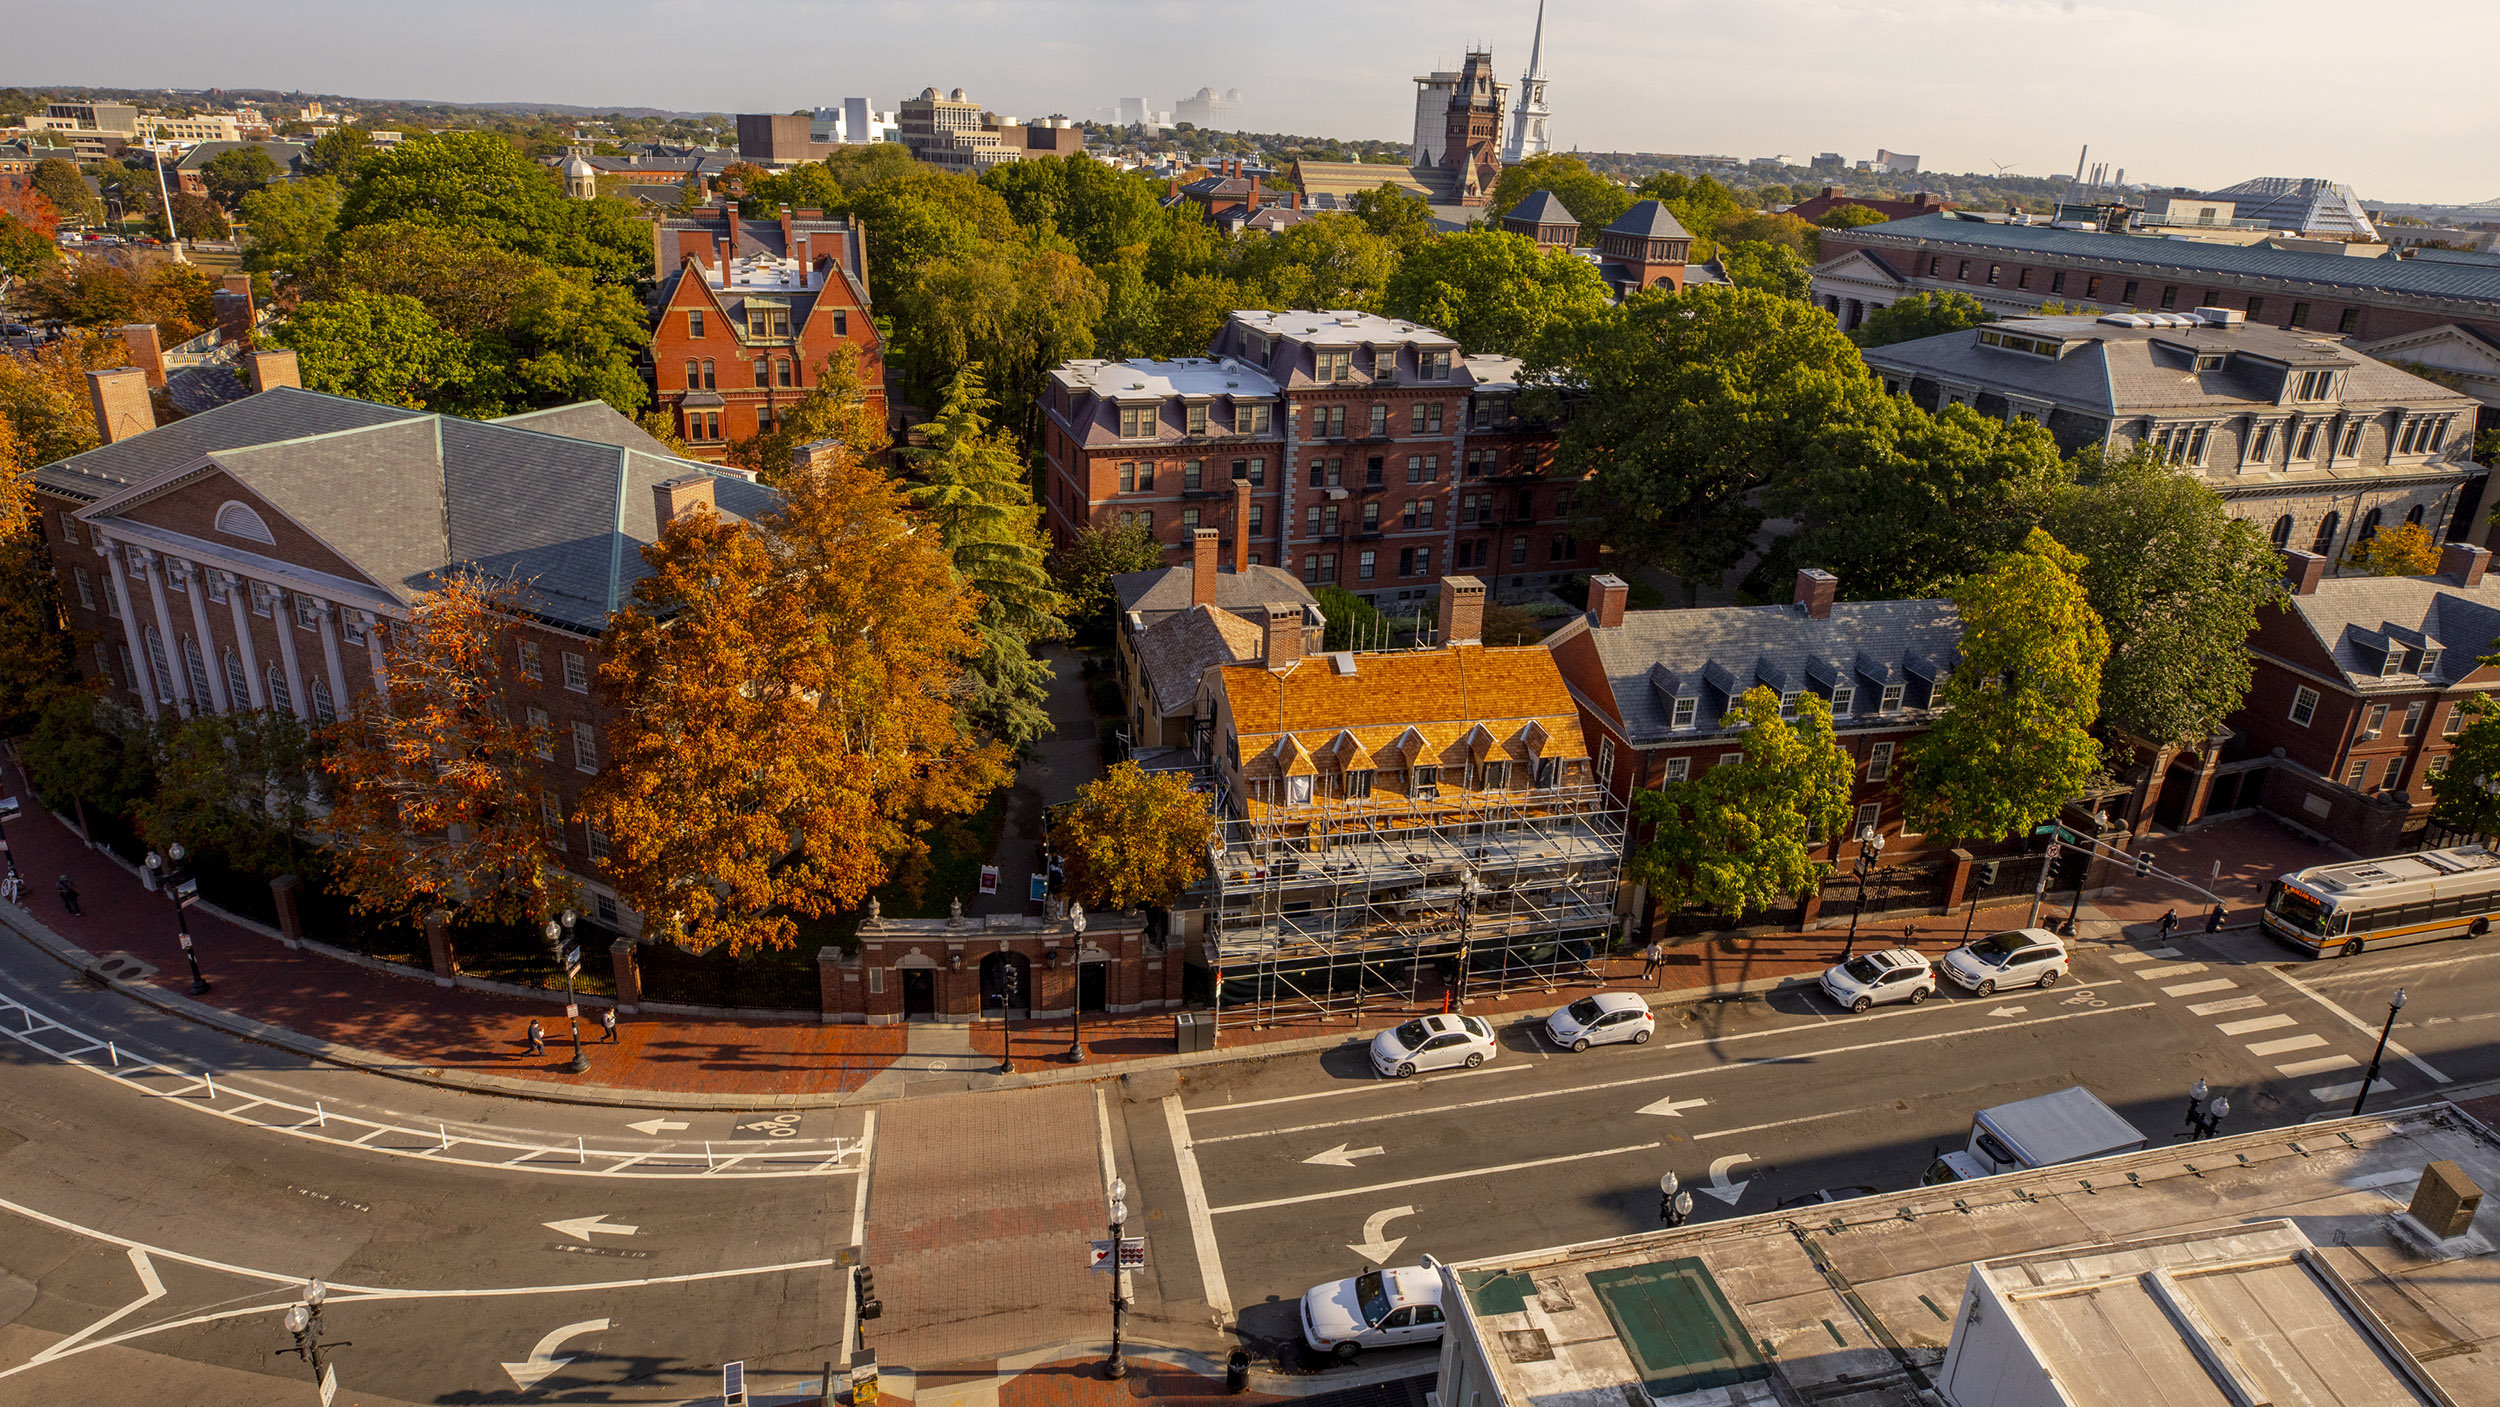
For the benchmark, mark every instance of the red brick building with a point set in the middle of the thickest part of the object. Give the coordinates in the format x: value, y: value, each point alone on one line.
x: 749, y: 312
x: 1645, y: 247
x: 1374, y: 457
x: 1831, y: 198
x: 1028, y: 967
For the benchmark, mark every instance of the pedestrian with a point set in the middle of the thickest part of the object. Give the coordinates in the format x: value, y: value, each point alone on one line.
x: 69, y: 898
x: 1653, y: 957
x: 12, y: 888
x: 538, y: 1038
x: 2169, y: 921
x: 607, y: 1023
x: 2213, y: 921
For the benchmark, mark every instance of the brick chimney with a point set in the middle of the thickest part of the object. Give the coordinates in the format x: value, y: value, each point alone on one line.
x: 2463, y: 563
x: 672, y: 499
x: 815, y: 454
x: 1173, y: 192
x: 119, y: 396
x: 1816, y: 590
x: 2302, y: 571
x: 1297, y: 200
x: 1254, y: 195
x: 1284, y: 635
x: 275, y: 368
x: 1607, y: 597
x: 1202, y: 550
x: 234, y: 316
x: 1241, y: 526
x: 146, y: 352
x: 1462, y: 611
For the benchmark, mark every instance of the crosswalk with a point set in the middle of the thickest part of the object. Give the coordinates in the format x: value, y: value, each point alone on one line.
x: 2278, y: 1037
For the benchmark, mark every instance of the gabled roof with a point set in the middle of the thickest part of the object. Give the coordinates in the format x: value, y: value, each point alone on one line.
x: 1174, y: 651
x: 1407, y: 706
x: 588, y: 420
x: 1542, y: 208
x: 1165, y: 590
x: 283, y: 413
x: 1649, y: 219
x: 2346, y: 611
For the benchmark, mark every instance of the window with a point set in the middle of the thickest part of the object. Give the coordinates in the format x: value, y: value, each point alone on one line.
x: 782, y: 372
x: 1427, y: 418
x: 1605, y: 764
x: 1137, y: 421
x: 1372, y: 471
x: 545, y: 731
x: 2395, y: 774
x: 307, y: 613
x: 1879, y: 762
x: 2359, y: 776
x: 2438, y: 766
x: 1371, y: 517
x: 2306, y: 448
x: 197, y: 669
x: 2092, y: 286
x: 1355, y: 785
x: 576, y: 673
x: 2300, y: 316
x: 2128, y: 297
x: 1993, y: 270
x: 763, y: 371
x: 2454, y: 723
x: 2304, y: 705
x: 763, y: 420
x: 585, y: 748
x: 1678, y: 769
x: 1424, y: 781
x: 599, y: 851
x: 2170, y: 295
x: 2023, y: 279
x: 1962, y: 273
x: 1258, y: 519
x: 2324, y: 543
x: 767, y: 320
x: 1193, y: 473
x: 1333, y: 366
x: 217, y: 591
x: 710, y: 381
x: 1561, y: 548
x: 1365, y: 564
x: 1844, y: 698
x: 1890, y: 700
x: 177, y: 577
x: 1432, y: 366
x: 1935, y: 266
x: 2283, y: 531
x: 324, y: 708
x: 1423, y: 561
x: 2350, y: 322
x: 1195, y: 417
x: 264, y: 599
x: 2377, y: 722
x: 69, y: 530
x: 2352, y: 438
x: 2260, y: 443
x: 1380, y: 421
x: 1128, y: 477
x: 1519, y: 551
x: 86, y: 587
x: 279, y: 698
x: 355, y: 628
x: 2314, y: 385
x: 2256, y: 308
x: 551, y: 816
x: 694, y: 322
x: 2057, y: 281
x: 694, y: 374
x: 531, y: 667
x: 1254, y: 418
x: 841, y: 328
x: 1870, y: 816
x: 1310, y: 566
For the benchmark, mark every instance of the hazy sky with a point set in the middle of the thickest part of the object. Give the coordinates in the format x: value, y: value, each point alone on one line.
x: 2194, y: 92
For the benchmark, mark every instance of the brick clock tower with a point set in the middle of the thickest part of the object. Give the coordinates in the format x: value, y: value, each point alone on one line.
x: 1471, y: 147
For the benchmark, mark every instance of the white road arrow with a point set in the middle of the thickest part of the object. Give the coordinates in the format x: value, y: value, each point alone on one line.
x: 1342, y: 1156
x: 654, y: 1126
x: 582, y: 1228
x: 542, y: 1360
x: 1673, y: 1107
x: 1720, y: 1187
x: 2008, y: 1010
x: 1375, y: 1248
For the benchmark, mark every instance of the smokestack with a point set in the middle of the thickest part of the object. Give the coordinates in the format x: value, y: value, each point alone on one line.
x: 234, y: 316
x: 672, y: 499
x: 1462, y: 611
x: 1241, y: 526
x: 146, y: 353
x: 2463, y: 563
x: 272, y: 369
x: 815, y: 454
x: 119, y: 396
x: 1202, y: 566
x: 1254, y: 195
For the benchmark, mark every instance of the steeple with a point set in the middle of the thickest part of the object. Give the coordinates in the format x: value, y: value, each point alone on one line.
x: 1528, y: 120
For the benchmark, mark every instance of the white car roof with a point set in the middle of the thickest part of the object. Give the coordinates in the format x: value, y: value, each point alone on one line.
x: 1412, y: 1284
x: 1620, y: 1001
x: 1898, y: 957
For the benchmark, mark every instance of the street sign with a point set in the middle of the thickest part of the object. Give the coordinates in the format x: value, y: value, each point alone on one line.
x: 989, y: 879
x: 2054, y: 850
x: 188, y: 889
x: 572, y: 959
x: 572, y: 1012
x: 733, y: 1384
x: 329, y: 1383
x: 1039, y: 890
x: 1132, y: 1254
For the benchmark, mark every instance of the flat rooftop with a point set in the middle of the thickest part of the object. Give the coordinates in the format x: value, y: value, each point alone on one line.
x: 2267, y: 1266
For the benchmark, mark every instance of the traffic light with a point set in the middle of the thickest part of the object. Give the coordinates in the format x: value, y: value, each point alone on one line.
x: 2144, y: 864
x: 1988, y: 872
x: 864, y: 1289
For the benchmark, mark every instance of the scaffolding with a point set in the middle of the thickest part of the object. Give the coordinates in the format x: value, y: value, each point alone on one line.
x: 1319, y: 908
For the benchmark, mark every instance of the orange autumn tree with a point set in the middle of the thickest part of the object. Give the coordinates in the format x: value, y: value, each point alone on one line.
x: 436, y: 793
x: 785, y: 727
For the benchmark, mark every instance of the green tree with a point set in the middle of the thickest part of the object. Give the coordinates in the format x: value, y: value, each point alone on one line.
x: 1596, y: 201
x: 1787, y: 231
x: 384, y: 347
x: 918, y: 217
x: 290, y: 225
x: 467, y: 282
x: 1132, y: 838
x: 35, y: 651
x: 24, y: 250
x: 2013, y: 743
x: 339, y: 154
x: 2177, y: 582
x: 2406, y: 549
x: 236, y: 784
x: 1850, y: 217
x: 2463, y: 798
x: 1016, y: 310
x: 1920, y: 315
x: 1086, y: 565
x: 1766, y: 268
x: 237, y: 172
x: 476, y: 182
x: 1740, y: 837
x: 88, y: 750
x: 1701, y: 205
x: 1329, y: 260
x: 1494, y: 291
x: 1099, y: 209
x: 1396, y: 215
x: 58, y: 180
x: 572, y: 340
x: 1352, y: 622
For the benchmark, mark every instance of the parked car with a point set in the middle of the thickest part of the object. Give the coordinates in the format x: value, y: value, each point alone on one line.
x: 1601, y: 1019
x: 1376, y: 1309
x: 1433, y: 1043
x: 2018, y: 957
x: 1872, y: 979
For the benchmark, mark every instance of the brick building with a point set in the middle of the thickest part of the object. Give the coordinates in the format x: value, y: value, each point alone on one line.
x: 1655, y: 688
x: 1373, y: 456
x: 952, y: 131
x: 1175, y: 623
x: 1645, y: 247
x: 1544, y: 218
x: 1028, y: 967
x: 747, y: 314
x: 1831, y: 198
x: 258, y: 555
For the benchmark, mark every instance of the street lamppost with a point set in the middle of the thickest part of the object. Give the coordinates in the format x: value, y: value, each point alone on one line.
x: 303, y: 1320
x: 1006, y: 1033
x: 1115, y: 1366
x: 2100, y: 823
x: 1870, y: 849
x: 1675, y: 1202
x: 2395, y: 1004
x: 560, y: 937
x: 1470, y: 888
x: 1076, y: 995
x: 8, y: 812
x: 2204, y: 1120
x: 171, y: 880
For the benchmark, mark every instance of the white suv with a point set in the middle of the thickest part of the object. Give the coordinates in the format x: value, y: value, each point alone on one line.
x: 2018, y: 957
x: 1872, y: 979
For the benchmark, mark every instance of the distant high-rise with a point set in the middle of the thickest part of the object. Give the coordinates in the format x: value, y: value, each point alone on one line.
x: 1528, y: 121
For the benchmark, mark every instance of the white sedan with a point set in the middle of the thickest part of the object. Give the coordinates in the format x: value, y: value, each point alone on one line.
x: 1433, y: 1043
x: 1376, y: 1309
x: 1600, y: 1019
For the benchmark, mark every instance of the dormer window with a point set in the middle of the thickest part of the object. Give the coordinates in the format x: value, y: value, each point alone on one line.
x: 1844, y: 698
x: 1253, y: 419
x: 1196, y: 415
x: 1137, y: 422
x: 1432, y: 366
x: 1332, y: 365
x: 2209, y: 361
x: 1788, y: 703
x: 2429, y: 663
x: 1891, y: 701
x: 2314, y: 386
x: 1685, y: 713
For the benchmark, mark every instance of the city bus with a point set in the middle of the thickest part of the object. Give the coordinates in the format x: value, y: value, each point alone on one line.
x: 2359, y: 905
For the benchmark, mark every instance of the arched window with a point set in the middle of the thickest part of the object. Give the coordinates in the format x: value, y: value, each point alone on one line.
x: 2325, y: 545
x: 279, y: 698
x: 2369, y: 526
x: 197, y: 669
x: 238, y: 520
x: 2283, y: 531
x: 159, y: 667
x: 323, y: 709
x: 237, y: 685
x: 2413, y: 515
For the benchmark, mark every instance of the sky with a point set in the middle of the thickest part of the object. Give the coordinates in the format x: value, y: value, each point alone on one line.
x: 2198, y: 93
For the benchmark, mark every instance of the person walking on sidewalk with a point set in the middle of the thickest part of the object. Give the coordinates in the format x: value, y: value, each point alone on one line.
x: 607, y: 1023
x: 538, y: 1038
x: 69, y: 897
x: 2213, y: 921
x: 1652, y: 958
x: 2169, y: 921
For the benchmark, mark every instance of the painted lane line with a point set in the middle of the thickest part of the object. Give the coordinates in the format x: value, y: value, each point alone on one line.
x: 154, y: 1290
x: 1777, y: 1124
x: 2301, y: 1069
x: 2227, y: 1004
x: 2337, y: 1094
x: 2286, y: 1045
x: 2254, y: 1024
x: 859, y: 1236
x: 2126, y: 955
x: 1102, y: 1141
x: 1821, y: 1021
x: 1343, y: 1156
x: 1671, y: 1106
x: 1201, y: 1220
x: 2191, y: 989
x: 2168, y: 970
x: 2357, y: 974
x: 2366, y: 1028
x: 1435, y: 1177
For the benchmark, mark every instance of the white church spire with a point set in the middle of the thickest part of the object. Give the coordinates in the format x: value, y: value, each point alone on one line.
x: 1528, y: 120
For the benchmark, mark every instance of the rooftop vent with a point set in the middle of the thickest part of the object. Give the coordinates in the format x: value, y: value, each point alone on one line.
x: 2221, y: 317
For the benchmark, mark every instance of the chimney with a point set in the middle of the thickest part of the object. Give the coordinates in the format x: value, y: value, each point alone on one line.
x: 2302, y: 571
x: 1174, y: 191
x: 1284, y: 635
x: 146, y: 353
x: 1607, y: 596
x: 1462, y: 611
x: 234, y: 316
x: 1816, y: 589
x: 272, y: 369
x: 1297, y: 200
x: 2463, y: 563
x: 672, y: 499
x: 1241, y: 526
x: 720, y: 258
x: 1202, y: 566
x: 122, y: 408
x: 814, y: 455
x: 1254, y: 195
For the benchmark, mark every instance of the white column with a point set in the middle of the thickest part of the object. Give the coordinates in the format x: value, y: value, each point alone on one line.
x: 373, y: 655
x: 238, y: 590
x: 165, y: 631
x: 197, y: 583
x: 282, y: 609
x: 117, y: 566
x: 330, y: 657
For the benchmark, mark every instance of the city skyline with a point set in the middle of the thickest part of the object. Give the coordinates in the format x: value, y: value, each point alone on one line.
x: 1678, y: 77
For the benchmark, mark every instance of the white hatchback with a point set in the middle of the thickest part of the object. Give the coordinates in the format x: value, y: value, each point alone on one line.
x: 1433, y: 1043
x: 1601, y: 1019
x: 2018, y: 957
x: 1872, y: 979
x: 1376, y: 1309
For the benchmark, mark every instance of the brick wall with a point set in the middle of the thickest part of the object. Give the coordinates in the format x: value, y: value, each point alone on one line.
x: 899, y: 959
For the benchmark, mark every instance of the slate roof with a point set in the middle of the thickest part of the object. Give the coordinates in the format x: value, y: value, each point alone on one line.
x: 1714, y: 655
x: 2412, y: 277
x: 284, y: 413
x: 1177, y: 649
x: 1649, y: 219
x: 588, y: 420
x: 1542, y: 208
x: 289, y: 155
x: 1166, y: 590
x: 2352, y: 615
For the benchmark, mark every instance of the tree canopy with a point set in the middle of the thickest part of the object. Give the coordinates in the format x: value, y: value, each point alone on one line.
x: 1740, y: 837
x: 237, y: 172
x: 1593, y: 199
x: 2462, y: 797
x: 1920, y: 315
x: 2406, y: 549
x: 1132, y: 838
x: 381, y: 347
x: 1494, y: 291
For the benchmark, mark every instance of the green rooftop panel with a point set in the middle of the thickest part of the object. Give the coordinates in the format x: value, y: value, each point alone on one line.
x: 1677, y: 1326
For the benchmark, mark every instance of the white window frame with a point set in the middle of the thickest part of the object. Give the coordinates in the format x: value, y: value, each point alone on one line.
x: 1677, y: 769
x: 1879, y: 762
x: 585, y: 747
x: 2304, y: 708
x: 1686, y: 714
x: 546, y: 730
x: 576, y: 673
